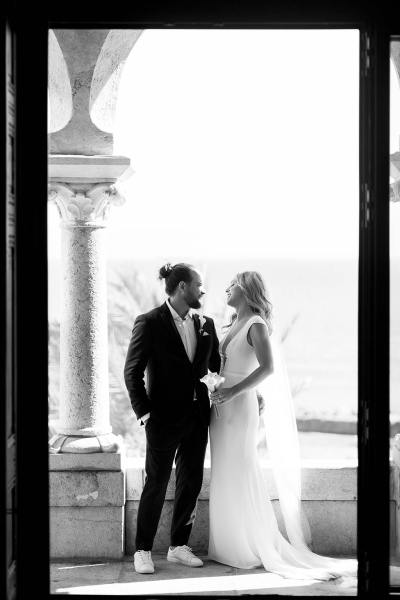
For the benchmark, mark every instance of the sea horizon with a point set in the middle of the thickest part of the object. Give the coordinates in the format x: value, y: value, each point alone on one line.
x: 317, y: 299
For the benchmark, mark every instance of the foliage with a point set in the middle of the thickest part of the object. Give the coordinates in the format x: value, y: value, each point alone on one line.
x: 129, y: 294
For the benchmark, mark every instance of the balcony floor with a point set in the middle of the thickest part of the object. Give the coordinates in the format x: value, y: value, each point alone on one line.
x: 119, y: 578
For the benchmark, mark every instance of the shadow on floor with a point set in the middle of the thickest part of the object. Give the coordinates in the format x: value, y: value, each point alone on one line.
x: 119, y: 578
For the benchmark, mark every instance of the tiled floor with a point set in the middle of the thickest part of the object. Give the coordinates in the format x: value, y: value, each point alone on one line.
x: 120, y: 578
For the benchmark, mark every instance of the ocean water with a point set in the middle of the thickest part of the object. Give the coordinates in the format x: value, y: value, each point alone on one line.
x: 315, y: 299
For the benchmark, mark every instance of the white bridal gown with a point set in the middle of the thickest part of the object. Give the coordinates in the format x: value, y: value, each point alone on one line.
x: 243, y: 528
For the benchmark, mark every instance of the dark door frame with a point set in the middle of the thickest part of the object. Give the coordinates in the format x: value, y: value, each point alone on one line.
x: 31, y: 256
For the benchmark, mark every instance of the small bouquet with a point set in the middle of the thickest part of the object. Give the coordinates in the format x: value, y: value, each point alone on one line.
x: 212, y: 381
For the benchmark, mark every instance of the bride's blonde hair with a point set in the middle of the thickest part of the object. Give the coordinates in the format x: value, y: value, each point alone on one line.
x: 256, y: 295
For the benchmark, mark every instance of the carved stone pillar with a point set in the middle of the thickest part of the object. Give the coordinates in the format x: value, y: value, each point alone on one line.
x: 83, y: 202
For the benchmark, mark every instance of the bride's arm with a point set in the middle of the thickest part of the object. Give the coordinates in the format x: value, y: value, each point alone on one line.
x: 262, y: 347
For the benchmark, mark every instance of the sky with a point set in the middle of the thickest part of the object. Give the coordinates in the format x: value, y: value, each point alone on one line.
x: 243, y: 143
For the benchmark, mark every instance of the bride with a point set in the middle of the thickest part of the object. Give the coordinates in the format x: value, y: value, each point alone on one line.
x: 243, y: 528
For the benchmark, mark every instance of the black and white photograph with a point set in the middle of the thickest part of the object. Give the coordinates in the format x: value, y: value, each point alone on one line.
x: 223, y: 344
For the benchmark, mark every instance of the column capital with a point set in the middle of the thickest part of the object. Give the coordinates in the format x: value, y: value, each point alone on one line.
x: 79, y: 207
x: 83, y: 187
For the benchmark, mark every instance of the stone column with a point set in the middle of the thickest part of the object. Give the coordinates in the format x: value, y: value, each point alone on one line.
x: 87, y: 470
x: 86, y: 462
x: 83, y: 201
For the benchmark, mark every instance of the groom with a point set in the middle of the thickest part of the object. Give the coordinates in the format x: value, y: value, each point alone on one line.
x: 177, y: 347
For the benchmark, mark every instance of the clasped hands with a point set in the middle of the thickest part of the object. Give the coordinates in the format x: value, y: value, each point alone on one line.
x: 219, y: 396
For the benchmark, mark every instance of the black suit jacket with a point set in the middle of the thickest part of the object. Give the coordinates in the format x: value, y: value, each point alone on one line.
x: 171, y: 378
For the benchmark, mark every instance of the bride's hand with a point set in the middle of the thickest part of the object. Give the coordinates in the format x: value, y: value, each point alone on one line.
x: 222, y: 395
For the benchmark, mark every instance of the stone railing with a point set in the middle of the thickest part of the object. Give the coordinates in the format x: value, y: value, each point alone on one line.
x: 87, y: 503
x: 86, y: 507
x: 329, y: 492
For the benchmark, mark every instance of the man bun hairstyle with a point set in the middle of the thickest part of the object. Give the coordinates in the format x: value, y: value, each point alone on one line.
x: 165, y: 271
x: 173, y: 275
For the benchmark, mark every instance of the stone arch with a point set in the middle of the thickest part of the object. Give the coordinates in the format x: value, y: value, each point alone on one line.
x: 82, y: 113
x: 395, y: 56
x: 107, y: 75
x: 59, y: 87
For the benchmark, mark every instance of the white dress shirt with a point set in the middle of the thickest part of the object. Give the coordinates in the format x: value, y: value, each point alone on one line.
x: 187, y: 332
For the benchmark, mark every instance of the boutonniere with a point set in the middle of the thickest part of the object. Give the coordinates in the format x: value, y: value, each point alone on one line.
x: 202, y: 323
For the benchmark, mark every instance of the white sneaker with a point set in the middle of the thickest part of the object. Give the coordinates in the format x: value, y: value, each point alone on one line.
x: 185, y: 556
x: 143, y: 562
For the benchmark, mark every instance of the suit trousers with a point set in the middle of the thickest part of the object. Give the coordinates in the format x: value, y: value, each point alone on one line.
x: 186, y: 442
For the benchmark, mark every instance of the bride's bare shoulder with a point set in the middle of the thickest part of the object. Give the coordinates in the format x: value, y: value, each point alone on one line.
x: 257, y: 328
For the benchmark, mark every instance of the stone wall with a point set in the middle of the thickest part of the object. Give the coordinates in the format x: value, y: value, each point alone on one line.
x: 329, y: 501
x: 87, y: 505
x: 93, y: 510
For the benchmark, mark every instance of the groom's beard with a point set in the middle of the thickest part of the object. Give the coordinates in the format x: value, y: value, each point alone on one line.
x: 193, y: 302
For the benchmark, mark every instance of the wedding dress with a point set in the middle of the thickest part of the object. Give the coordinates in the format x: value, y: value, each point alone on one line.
x: 244, y: 531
